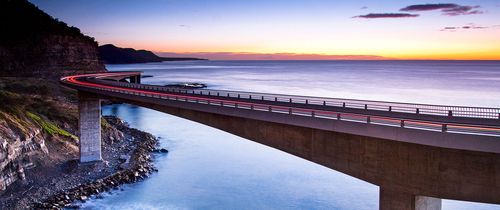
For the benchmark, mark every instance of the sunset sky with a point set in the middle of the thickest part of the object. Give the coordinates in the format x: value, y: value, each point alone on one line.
x: 392, y: 29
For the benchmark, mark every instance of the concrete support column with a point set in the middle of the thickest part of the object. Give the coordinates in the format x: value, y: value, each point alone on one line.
x: 135, y: 79
x: 397, y: 200
x: 89, y: 124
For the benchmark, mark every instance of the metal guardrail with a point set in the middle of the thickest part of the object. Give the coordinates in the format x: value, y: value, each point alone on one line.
x: 195, y: 96
x: 438, y: 110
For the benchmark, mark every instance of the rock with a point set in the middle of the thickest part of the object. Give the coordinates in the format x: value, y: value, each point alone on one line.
x: 135, y: 166
x: 124, y: 166
x: 124, y: 158
x: 187, y: 85
x: 162, y: 150
x: 71, y: 206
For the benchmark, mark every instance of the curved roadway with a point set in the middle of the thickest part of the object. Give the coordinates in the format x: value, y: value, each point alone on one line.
x: 468, y: 121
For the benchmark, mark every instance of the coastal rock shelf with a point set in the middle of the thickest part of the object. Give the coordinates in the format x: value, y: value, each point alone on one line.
x: 139, y: 167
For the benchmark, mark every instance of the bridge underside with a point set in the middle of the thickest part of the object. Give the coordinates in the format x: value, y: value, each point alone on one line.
x: 410, y: 176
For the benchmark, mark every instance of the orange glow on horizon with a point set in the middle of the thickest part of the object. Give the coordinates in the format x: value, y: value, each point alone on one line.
x: 411, y: 51
x: 308, y: 28
x: 436, y: 45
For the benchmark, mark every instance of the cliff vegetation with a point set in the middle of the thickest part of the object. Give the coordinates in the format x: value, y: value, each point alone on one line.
x: 32, y: 111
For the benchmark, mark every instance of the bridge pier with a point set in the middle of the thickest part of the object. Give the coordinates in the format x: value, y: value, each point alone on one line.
x: 135, y: 79
x: 397, y: 200
x: 89, y: 123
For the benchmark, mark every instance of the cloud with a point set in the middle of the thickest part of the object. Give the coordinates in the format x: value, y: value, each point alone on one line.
x: 427, y: 7
x: 446, y: 9
x: 450, y: 28
x: 473, y: 27
x: 462, y: 10
x: 386, y: 15
x: 364, y: 7
x: 465, y: 27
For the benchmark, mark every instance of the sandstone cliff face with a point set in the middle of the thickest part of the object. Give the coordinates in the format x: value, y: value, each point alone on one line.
x: 51, y: 57
x: 26, y: 145
x: 36, y: 122
x: 34, y: 44
x: 17, y: 146
x: 37, y: 117
x: 39, y: 133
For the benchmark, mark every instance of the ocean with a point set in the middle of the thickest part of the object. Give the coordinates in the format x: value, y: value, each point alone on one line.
x: 210, y: 169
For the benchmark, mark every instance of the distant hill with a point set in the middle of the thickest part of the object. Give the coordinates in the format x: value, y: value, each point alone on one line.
x: 34, y: 44
x: 111, y: 54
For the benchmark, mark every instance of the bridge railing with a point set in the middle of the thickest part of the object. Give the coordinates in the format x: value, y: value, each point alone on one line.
x: 332, y: 115
x: 427, y: 109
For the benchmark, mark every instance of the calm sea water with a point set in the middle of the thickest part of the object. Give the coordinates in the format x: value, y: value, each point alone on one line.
x: 210, y: 169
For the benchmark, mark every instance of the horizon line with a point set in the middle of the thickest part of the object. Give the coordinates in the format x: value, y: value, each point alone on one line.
x: 292, y: 56
x: 310, y: 56
x: 334, y: 59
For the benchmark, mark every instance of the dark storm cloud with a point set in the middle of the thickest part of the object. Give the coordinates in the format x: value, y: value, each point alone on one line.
x: 387, y: 15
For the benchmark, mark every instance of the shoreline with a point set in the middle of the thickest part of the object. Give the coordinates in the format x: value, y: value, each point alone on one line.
x: 55, y: 185
x: 134, y: 168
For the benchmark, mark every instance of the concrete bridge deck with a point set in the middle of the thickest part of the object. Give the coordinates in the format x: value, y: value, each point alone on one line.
x: 412, y: 151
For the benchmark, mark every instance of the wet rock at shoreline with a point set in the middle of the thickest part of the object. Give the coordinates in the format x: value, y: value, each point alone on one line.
x: 161, y: 150
x: 134, y: 167
x: 194, y: 85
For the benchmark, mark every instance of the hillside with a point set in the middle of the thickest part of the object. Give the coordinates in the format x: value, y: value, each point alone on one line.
x: 111, y: 54
x: 34, y: 44
x: 39, y: 117
x: 39, y: 146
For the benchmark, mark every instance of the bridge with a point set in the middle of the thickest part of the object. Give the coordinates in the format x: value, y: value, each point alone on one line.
x: 416, y: 153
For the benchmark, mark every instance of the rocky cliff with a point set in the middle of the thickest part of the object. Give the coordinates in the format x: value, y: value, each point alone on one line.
x: 38, y: 117
x: 34, y: 111
x: 38, y: 128
x: 34, y: 44
x: 30, y: 114
x: 17, y: 145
